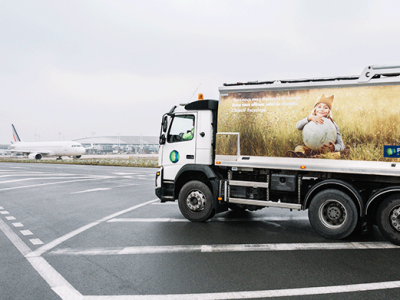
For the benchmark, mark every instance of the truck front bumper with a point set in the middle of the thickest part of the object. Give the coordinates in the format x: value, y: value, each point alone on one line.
x: 159, y: 192
x: 164, y: 191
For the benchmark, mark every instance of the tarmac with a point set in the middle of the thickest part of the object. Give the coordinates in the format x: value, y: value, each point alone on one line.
x: 97, y: 156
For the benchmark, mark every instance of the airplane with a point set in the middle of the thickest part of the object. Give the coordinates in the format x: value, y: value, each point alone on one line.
x: 37, y: 150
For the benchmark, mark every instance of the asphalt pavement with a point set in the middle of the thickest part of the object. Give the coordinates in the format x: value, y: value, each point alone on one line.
x: 96, y: 232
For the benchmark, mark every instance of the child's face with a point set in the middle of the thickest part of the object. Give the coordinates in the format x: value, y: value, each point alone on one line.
x: 322, y: 110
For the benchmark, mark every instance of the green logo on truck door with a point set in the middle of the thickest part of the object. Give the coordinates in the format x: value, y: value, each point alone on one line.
x: 174, y: 156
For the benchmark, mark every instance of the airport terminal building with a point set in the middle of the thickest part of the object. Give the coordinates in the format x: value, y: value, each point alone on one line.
x: 120, y: 144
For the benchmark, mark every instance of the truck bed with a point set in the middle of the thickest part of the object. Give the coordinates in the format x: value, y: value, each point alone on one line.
x: 310, y: 165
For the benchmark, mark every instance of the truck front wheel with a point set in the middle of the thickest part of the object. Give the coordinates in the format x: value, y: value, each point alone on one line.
x: 388, y: 218
x: 333, y: 214
x: 195, y: 201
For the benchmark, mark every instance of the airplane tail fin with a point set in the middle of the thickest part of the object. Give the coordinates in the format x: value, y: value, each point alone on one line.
x: 15, y: 134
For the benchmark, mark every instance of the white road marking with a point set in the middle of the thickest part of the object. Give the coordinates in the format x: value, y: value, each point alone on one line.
x: 4, y: 212
x: 18, y: 224
x: 55, y: 280
x: 224, y: 248
x: 92, y: 190
x: 40, y: 178
x: 103, y: 189
x: 146, y: 220
x: 125, y: 185
x: 261, y: 219
x: 1, y: 207
x: 218, y: 219
x: 26, y: 232
x: 50, y: 183
x: 67, y: 292
x: 19, y: 171
x: 19, y: 174
x: 70, y: 235
x: 10, y: 218
x: 13, y: 237
x: 36, y: 241
x: 13, y: 175
x: 321, y: 290
x: 57, y: 283
x: 120, y: 173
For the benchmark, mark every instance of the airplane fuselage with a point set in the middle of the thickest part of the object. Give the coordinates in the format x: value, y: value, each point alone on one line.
x: 46, y: 149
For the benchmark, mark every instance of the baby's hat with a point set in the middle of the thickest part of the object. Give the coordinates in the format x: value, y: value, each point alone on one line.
x: 326, y: 100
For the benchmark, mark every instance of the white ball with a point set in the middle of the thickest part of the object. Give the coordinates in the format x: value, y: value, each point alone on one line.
x: 315, y: 135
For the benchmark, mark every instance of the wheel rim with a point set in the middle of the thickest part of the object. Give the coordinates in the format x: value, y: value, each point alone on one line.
x: 395, y: 218
x: 332, y: 214
x: 196, y: 201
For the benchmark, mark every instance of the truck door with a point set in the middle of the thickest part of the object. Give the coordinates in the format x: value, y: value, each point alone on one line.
x: 204, y: 137
x: 180, y: 145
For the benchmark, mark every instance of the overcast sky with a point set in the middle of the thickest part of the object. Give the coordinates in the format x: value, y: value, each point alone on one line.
x: 75, y: 69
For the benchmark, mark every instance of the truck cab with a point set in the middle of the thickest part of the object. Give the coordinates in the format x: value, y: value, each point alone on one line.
x: 187, y: 142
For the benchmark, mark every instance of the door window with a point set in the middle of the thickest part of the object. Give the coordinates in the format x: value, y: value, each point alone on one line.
x: 182, y: 129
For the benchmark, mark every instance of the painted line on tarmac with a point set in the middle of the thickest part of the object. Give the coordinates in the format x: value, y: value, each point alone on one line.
x: 125, y: 185
x: 224, y: 248
x: 103, y: 189
x: 54, y: 279
x: 18, y: 174
x: 40, y: 178
x: 146, y: 220
x: 92, y: 190
x: 218, y: 219
x: 120, y: 173
x: 66, y: 291
x: 322, y: 290
x: 73, y: 233
x: 36, y: 241
x: 51, y: 183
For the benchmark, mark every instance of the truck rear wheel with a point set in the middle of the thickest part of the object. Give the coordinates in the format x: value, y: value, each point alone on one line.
x: 333, y: 214
x: 195, y: 201
x: 388, y: 218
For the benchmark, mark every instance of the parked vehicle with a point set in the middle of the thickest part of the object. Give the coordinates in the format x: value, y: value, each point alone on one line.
x: 327, y: 145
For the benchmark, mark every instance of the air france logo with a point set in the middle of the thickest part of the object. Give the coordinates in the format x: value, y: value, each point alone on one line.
x: 174, y: 156
x: 391, y: 151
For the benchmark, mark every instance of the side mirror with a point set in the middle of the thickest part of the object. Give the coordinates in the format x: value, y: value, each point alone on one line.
x: 162, y: 139
x: 164, y: 124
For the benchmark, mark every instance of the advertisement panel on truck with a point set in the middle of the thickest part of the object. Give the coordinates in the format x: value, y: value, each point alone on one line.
x: 353, y: 123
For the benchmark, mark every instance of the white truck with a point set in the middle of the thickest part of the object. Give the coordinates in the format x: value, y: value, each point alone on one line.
x: 329, y: 145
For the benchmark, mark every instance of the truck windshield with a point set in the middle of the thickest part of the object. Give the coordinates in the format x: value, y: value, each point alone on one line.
x: 182, y: 128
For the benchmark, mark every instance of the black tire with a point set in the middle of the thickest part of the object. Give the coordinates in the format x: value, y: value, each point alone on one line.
x: 333, y: 214
x: 388, y: 218
x: 196, y: 201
